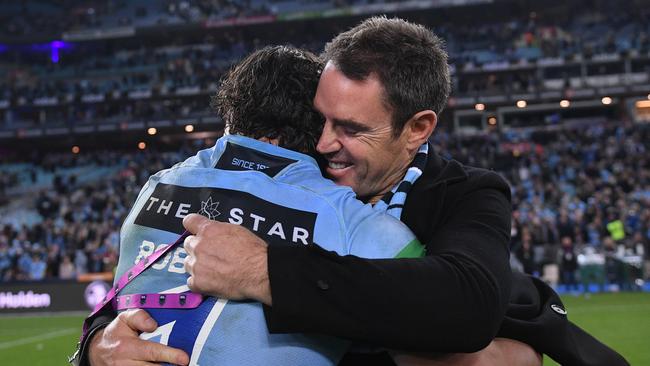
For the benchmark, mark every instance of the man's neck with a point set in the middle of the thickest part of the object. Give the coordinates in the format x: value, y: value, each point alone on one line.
x: 372, y: 199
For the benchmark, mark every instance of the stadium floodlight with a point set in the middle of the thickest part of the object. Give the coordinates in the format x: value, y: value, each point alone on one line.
x: 75, y: 149
x: 142, y: 145
x: 564, y: 103
x: 479, y: 107
x: 152, y: 131
x: 606, y: 100
x: 189, y: 128
x: 521, y: 104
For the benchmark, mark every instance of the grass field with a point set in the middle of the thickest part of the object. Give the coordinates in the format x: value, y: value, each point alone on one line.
x: 620, y: 320
x: 38, y: 341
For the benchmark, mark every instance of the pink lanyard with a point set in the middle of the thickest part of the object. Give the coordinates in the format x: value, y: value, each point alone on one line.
x: 186, y: 300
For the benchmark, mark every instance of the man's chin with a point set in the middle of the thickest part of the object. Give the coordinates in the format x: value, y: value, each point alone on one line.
x: 346, y: 181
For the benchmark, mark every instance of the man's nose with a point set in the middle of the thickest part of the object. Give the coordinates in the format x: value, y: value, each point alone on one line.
x: 328, y: 142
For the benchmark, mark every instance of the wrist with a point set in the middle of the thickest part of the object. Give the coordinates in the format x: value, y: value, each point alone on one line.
x: 95, y: 338
x: 82, y: 356
x: 261, y: 289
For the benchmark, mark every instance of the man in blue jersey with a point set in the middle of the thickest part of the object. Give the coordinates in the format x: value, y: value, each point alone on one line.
x: 249, y: 179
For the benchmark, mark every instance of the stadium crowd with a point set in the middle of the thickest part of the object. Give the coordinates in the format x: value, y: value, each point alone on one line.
x: 78, y: 230
x: 41, y: 17
x: 197, y: 63
x: 578, y: 192
x: 580, y: 195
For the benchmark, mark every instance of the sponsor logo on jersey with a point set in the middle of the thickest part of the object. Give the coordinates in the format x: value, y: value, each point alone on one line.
x: 166, y: 207
x: 209, y: 209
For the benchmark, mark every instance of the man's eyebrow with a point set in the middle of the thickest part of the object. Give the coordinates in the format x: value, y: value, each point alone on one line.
x: 351, y: 124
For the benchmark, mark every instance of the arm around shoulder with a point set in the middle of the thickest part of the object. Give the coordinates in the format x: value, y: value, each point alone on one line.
x: 453, y: 300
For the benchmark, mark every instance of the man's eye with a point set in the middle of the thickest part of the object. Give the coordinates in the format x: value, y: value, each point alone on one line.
x: 350, y: 130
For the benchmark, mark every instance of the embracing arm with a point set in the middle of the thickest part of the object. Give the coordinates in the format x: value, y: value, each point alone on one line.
x: 113, y: 340
x: 453, y: 300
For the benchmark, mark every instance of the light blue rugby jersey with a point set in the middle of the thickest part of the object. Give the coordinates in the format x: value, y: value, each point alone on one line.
x: 282, y: 197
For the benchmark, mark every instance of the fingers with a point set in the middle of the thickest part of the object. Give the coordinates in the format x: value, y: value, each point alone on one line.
x: 161, y: 353
x: 190, y: 284
x: 119, y: 344
x: 189, y: 244
x: 138, y: 320
x: 195, y: 223
x: 188, y: 263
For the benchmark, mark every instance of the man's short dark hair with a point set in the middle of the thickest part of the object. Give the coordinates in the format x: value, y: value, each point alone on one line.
x: 408, y: 59
x: 270, y: 94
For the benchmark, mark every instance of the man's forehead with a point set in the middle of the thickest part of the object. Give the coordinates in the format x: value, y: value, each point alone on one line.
x: 332, y: 69
x: 347, y: 97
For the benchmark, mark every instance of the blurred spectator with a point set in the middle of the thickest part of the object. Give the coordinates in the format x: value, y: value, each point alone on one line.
x: 569, y: 264
x: 525, y: 254
x: 615, y: 228
x: 81, y: 262
x: 66, y: 269
x: 37, y: 268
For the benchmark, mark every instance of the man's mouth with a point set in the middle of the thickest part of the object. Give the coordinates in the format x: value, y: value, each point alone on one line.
x: 337, y: 170
x: 337, y: 166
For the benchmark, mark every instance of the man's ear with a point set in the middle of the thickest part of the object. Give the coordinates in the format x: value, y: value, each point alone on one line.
x: 419, y: 128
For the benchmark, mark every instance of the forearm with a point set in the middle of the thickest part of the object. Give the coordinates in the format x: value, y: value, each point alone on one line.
x: 453, y: 300
x: 443, y: 303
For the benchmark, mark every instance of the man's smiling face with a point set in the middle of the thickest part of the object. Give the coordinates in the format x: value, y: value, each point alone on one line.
x: 358, y: 140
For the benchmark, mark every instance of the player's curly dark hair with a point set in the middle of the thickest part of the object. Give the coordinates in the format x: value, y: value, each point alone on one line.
x: 270, y: 94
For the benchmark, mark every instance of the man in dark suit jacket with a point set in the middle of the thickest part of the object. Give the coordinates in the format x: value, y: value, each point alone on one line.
x: 385, y: 83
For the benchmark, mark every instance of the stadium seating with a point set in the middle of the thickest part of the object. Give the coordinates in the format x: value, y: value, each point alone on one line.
x: 65, y: 71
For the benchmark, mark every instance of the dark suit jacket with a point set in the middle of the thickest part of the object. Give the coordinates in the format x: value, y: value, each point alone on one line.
x: 453, y: 300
